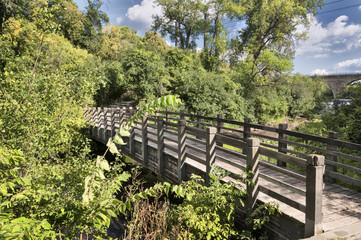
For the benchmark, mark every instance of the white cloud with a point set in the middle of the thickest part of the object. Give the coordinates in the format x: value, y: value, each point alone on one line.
x: 349, y: 64
x: 142, y: 13
x: 323, y: 39
x: 359, y: 8
x: 320, y: 56
x: 119, y: 20
x: 168, y: 43
x: 319, y: 72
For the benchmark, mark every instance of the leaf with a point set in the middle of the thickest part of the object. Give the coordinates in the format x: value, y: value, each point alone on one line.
x: 118, y: 140
x: 124, y: 132
x: 113, y: 148
x: 45, y: 225
x: 104, y: 165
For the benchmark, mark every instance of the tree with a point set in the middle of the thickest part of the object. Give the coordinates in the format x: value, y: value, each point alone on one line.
x: 181, y: 19
x: 94, y: 19
x: 215, y: 34
x: 265, y: 45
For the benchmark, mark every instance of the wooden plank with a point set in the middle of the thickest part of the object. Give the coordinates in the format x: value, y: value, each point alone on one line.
x: 344, y: 166
x: 195, y: 140
x: 170, y: 139
x: 339, y: 143
x: 233, y: 163
x: 283, y: 157
x: 230, y: 141
x: 283, y: 199
x: 283, y: 170
x: 199, y: 150
x: 196, y: 131
x: 172, y: 124
x: 232, y: 152
x: 343, y: 178
x: 283, y: 184
x: 195, y: 158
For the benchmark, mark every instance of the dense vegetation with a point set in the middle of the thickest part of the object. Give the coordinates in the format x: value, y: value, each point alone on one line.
x: 56, y: 60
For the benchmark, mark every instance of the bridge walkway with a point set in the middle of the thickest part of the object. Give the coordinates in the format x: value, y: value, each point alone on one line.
x: 341, y: 206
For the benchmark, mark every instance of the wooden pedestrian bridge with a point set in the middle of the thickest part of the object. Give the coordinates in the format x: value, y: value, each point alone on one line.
x: 314, y: 180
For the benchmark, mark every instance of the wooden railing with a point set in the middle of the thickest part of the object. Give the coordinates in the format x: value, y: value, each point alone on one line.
x: 206, y: 140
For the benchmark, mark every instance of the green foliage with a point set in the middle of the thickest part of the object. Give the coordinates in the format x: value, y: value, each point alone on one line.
x: 146, y: 75
x: 211, y: 93
x: 345, y: 119
x: 207, y: 212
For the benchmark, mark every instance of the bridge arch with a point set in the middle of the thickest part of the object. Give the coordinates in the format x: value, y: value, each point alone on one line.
x: 337, y: 82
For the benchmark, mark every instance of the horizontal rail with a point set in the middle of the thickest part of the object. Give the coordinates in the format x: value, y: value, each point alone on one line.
x: 283, y: 157
x: 343, y: 178
x: 230, y: 141
x: 282, y: 170
x: 283, y: 184
x: 282, y: 198
x: 195, y: 158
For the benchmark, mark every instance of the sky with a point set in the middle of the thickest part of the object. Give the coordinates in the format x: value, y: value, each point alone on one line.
x: 333, y: 45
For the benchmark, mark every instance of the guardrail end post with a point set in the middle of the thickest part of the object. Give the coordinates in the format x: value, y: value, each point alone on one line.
x: 246, y: 131
x: 314, y: 187
x: 220, y: 125
x: 181, y: 150
x: 210, y: 151
x: 282, y: 145
x: 145, y: 139
x: 199, y: 122
x: 331, y: 158
x: 252, y: 174
x: 160, y: 141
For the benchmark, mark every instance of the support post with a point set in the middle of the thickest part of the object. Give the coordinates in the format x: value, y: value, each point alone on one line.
x: 145, y: 139
x: 167, y: 115
x: 246, y: 132
x: 220, y: 125
x: 121, y: 117
x: 160, y: 141
x: 282, y: 145
x: 331, y: 158
x: 181, y: 115
x: 210, y: 150
x: 314, y: 186
x: 97, y: 125
x: 105, y: 124
x: 181, y: 149
x: 132, y: 143
x: 112, y: 122
x: 252, y: 152
x: 199, y: 122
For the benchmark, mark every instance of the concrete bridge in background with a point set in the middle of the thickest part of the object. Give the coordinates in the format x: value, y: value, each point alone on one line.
x: 338, y: 81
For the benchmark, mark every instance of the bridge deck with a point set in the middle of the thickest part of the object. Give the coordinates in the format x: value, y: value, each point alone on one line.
x: 341, y: 206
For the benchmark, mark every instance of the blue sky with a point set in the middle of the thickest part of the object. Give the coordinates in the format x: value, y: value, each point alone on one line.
x: 333, y: 46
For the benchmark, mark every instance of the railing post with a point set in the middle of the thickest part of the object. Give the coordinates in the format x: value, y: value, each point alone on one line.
x: 105, y: 124
x: 181, y: 149
x: 112, y: 122
x: 282, y: 145
x: 220, y: 125
x: 210, y: 150
x: 246, y: 131
x: 121, y: 117
x: 167, y: 115
x: 331, y: 158
x: 145, y: 139
x: 97, y: 125
x: 314, y: 186
x: 132, y: 142
x: 199, y: 122
x: 181, y: 115
x: 160, y: 140
x: 252, y: 174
